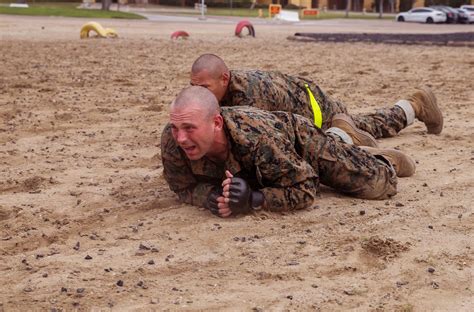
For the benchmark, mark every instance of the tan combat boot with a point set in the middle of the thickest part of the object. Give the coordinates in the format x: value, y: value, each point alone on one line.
x: 358, y: 136
x: 403, y: 164
x: 423, y: 106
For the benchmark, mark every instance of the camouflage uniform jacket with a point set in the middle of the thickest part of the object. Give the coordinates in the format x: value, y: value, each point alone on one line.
x: 275, y: 91
x: 262, y: 151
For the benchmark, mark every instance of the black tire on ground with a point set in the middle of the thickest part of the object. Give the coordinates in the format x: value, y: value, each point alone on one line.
x: 429, y: 20
x: 401, y: 19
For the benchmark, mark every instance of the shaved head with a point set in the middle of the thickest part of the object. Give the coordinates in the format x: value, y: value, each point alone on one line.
x: 209, y: 71
x: 197, y: 96
x: 197, y: 125
x: 213, y: 64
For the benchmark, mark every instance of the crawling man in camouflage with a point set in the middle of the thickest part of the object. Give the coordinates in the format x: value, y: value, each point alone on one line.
x: 238, y: 159
x: 275, y: 91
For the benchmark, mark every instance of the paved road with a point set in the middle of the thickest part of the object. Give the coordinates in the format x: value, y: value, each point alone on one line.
x: 324, y: 26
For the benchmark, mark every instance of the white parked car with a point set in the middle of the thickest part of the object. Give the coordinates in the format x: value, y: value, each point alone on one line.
x: 469, y: 9
x: 422, y: 15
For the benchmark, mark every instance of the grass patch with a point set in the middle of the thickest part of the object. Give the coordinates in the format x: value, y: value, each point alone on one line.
x: 66, y: 10
x: 234, y: 12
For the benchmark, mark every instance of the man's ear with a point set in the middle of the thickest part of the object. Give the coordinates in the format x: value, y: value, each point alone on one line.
x: 225, y: 78
x: 218, y: 122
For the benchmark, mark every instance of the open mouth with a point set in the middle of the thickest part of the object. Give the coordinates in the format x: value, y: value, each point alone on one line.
x: 189, y: 149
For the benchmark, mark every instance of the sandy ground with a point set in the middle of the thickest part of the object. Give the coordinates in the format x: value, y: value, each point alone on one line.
x: 88, y: 222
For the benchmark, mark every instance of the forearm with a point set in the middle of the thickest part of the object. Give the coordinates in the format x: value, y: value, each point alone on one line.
x: 182, y: 181
x: 195, y: 195
x: 299, y: 196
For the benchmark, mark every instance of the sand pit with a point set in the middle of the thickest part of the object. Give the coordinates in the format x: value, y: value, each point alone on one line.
x: 87, y: 221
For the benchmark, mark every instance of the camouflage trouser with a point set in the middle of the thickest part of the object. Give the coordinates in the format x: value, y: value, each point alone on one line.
x: 342, y: 166
x: 385, y: 122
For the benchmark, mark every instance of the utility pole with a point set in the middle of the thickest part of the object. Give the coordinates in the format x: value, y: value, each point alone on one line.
x: 106, y: 4
x: 202, y: 10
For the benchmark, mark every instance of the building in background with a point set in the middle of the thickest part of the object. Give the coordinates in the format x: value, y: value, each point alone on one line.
x: 355, y: 6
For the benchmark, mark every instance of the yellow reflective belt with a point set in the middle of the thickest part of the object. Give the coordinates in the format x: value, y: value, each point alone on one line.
x: 318, y: 116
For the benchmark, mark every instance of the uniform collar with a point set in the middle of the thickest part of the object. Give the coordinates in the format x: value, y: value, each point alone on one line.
x: 208, y: 167
x: 230, y: 87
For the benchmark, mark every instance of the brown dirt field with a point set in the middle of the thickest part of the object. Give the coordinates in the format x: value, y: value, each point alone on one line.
x: 87, y: 221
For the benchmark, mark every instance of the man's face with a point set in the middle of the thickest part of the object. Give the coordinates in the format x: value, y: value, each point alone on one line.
x: 204, y: 79
x: 193, y: 130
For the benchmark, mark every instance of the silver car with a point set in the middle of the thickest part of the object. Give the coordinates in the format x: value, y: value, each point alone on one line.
x: 469, y: 9
x: 422, y: 15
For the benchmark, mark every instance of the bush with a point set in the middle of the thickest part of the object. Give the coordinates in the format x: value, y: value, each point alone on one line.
x: 291, y: 6
x: 213, y: 3
x: 44, y: 1
x: 452, y: 3
x: 226, y: 4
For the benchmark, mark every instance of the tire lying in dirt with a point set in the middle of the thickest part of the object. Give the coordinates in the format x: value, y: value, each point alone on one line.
x: 98, y: 29
x: 179, y: 34
x: 244, y: 24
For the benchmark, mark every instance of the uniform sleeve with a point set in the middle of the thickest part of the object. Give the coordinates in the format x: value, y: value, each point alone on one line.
x: 178, y: 174
x: 290, y: 182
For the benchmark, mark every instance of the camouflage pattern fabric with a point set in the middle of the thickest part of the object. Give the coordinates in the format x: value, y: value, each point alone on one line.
x: 384, y: 123
x: 281, y: 154
x: 275, y: 91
